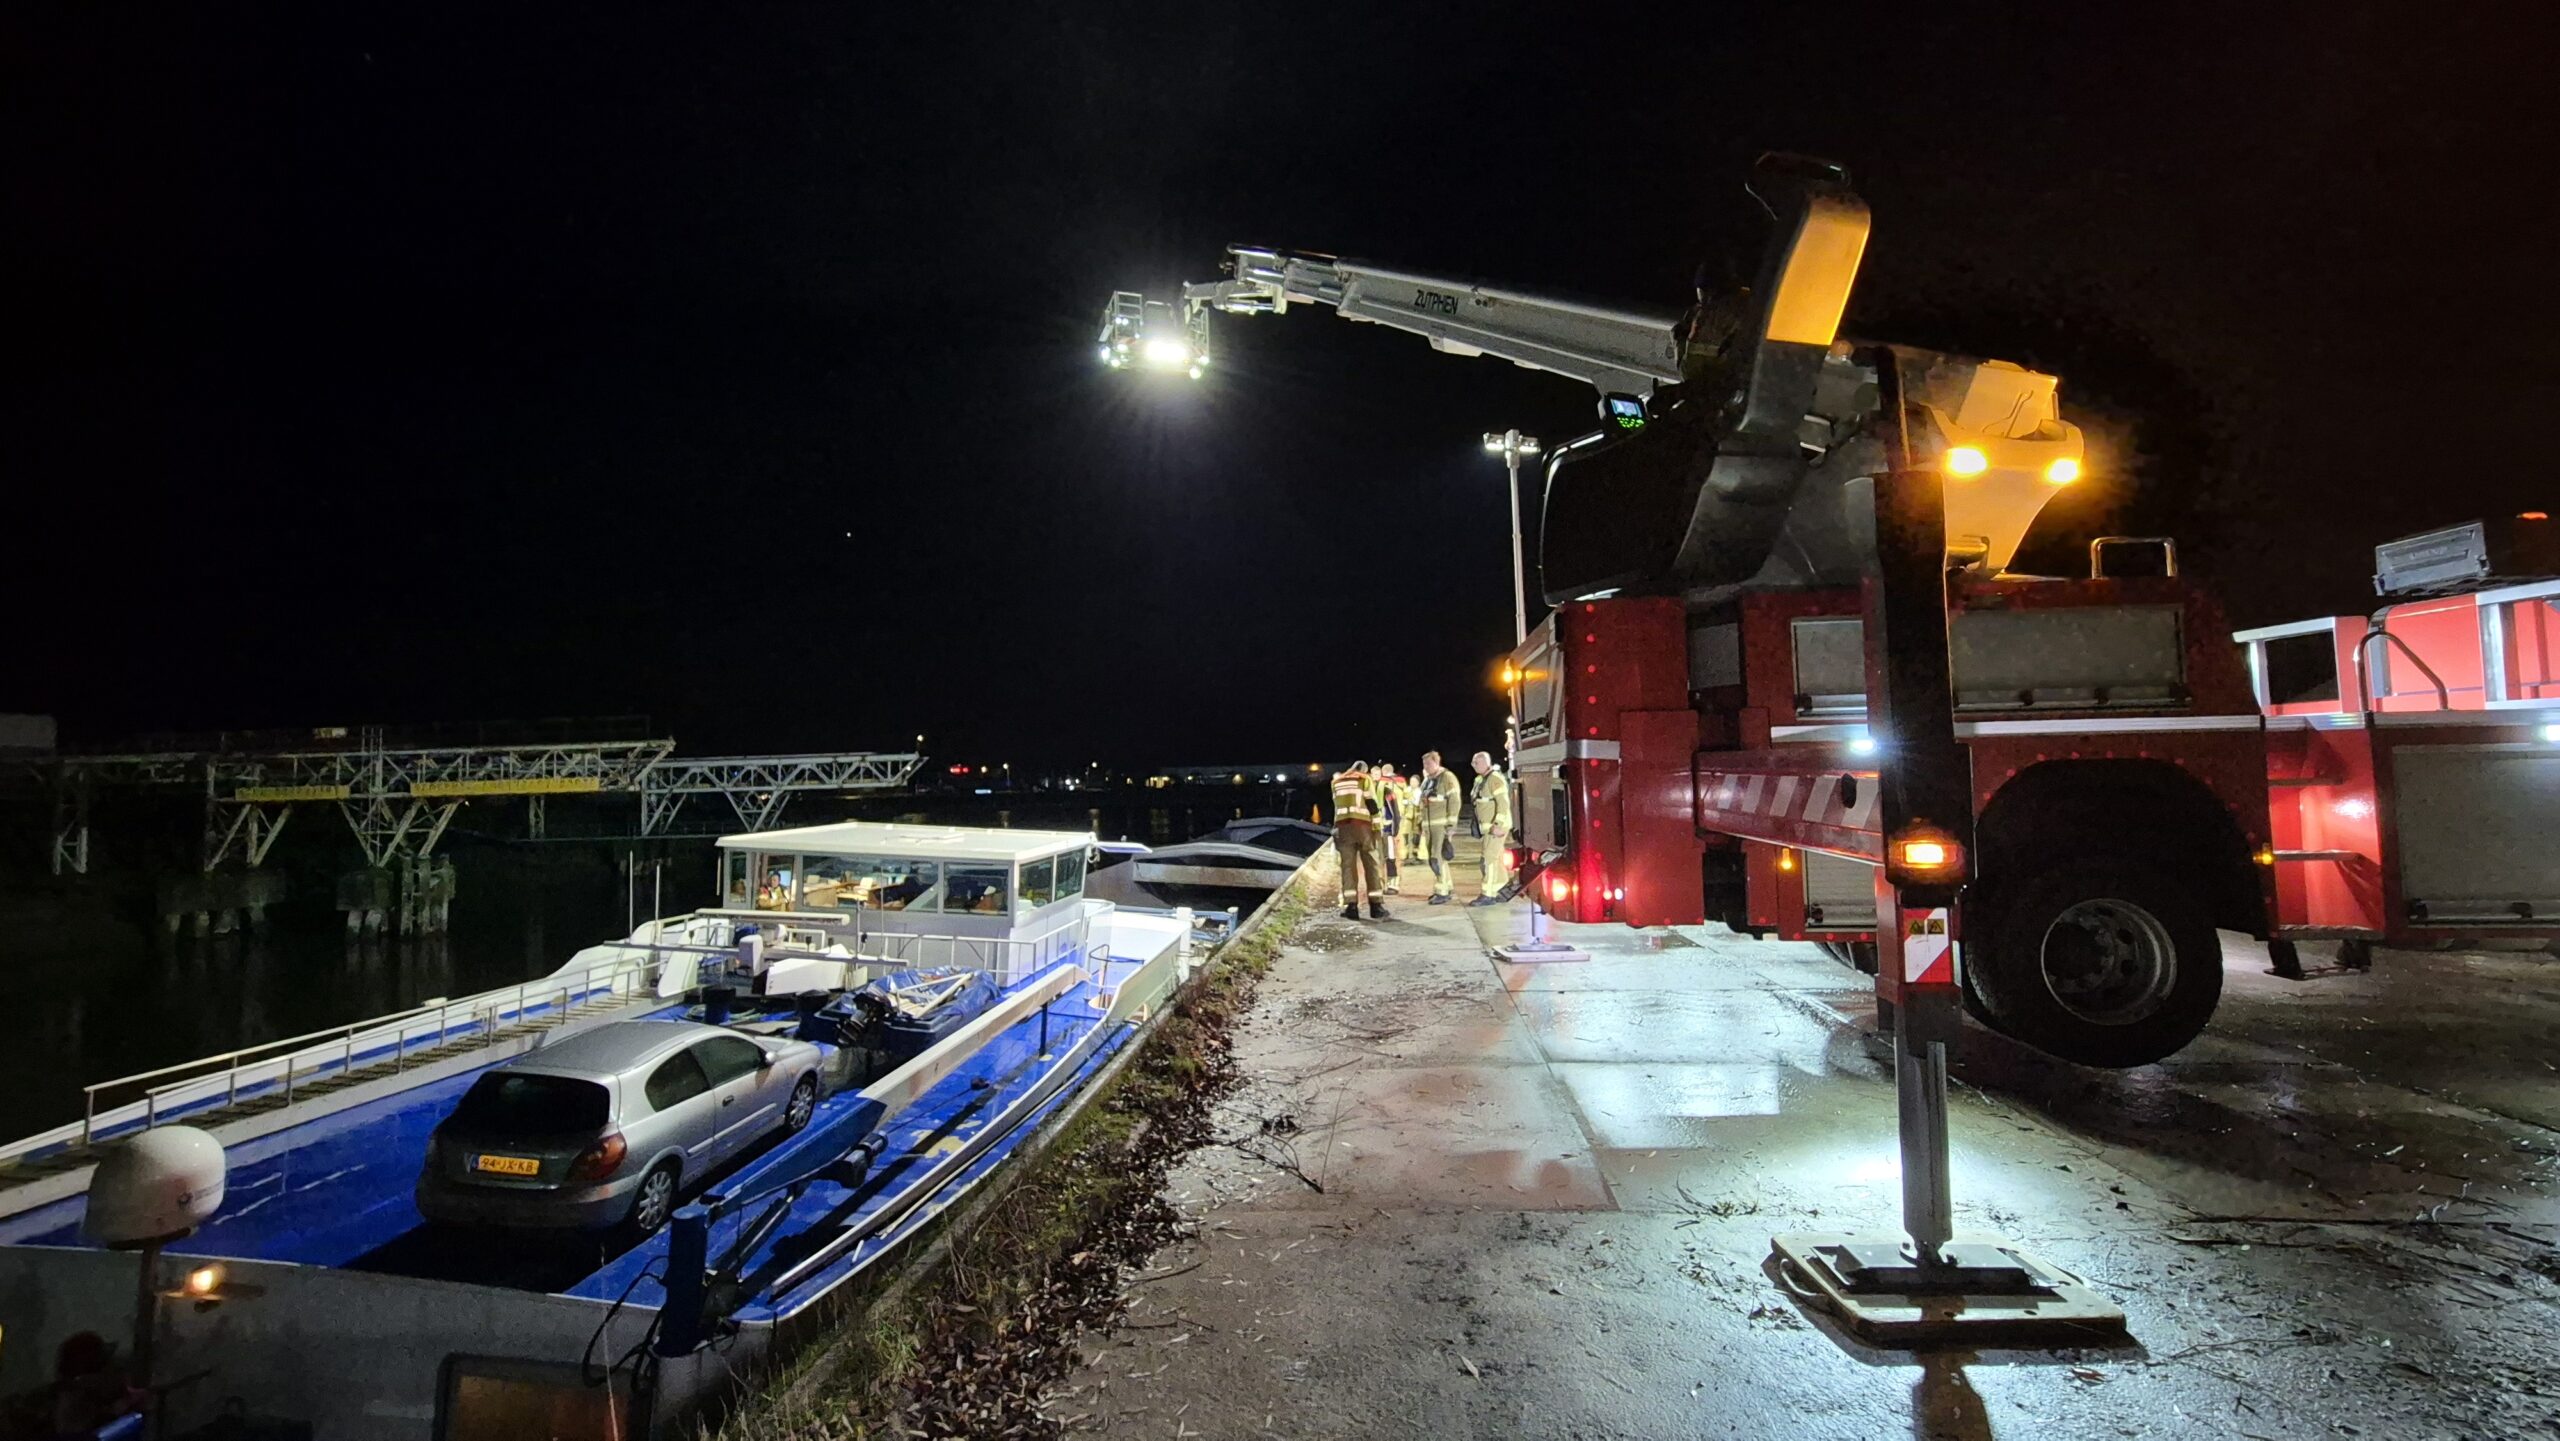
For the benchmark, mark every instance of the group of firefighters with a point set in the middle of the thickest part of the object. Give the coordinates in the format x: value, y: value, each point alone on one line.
x: 1381, y: 820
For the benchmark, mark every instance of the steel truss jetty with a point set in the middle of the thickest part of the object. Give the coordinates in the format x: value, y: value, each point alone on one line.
x: 398, y: 800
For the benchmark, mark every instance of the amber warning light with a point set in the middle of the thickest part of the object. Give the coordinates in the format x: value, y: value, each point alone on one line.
x: 1923, y: 853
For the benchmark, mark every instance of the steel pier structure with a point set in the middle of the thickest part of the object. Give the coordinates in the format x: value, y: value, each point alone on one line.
x: 398, y: 800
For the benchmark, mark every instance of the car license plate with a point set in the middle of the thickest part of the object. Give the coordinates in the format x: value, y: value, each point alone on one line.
x: 507, y: 1165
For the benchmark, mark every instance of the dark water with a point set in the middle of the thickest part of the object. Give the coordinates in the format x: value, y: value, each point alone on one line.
x: 95, y: 988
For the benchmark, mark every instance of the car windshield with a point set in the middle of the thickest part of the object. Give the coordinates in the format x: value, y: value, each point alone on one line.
x: 513, y: 1104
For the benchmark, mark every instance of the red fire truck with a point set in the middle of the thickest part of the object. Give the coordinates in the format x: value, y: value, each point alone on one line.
x: 1692, y: 740
x: 2140, y: 781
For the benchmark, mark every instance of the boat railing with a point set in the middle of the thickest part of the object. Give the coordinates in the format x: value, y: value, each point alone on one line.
x: 1010, y: 959
x: 279, y: 1069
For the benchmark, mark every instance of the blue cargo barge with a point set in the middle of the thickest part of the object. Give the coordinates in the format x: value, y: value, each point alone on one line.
x: 327, y: 1302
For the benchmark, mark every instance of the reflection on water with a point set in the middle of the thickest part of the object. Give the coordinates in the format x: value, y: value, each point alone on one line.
x: 97, y: 989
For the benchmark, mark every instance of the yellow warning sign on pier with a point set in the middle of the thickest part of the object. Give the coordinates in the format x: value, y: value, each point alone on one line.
x: 289, y: 793
x: 510, y: 786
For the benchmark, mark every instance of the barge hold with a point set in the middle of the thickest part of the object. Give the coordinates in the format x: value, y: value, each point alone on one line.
x: 959, y: 983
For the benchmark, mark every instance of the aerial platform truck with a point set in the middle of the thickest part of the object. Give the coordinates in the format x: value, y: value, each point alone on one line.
x: 1789, y: 683
x: 1692, y: 718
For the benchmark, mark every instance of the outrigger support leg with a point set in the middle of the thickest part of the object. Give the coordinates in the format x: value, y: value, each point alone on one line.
x: 1925, y: 1286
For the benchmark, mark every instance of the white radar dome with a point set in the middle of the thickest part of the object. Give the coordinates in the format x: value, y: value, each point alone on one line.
x: 158, y: 1186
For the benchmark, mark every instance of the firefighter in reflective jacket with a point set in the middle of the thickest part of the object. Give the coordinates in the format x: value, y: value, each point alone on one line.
x: 1395, y: 817
x: 1490, y: 796
x: 1437, y: 805
x: 1356, y: 812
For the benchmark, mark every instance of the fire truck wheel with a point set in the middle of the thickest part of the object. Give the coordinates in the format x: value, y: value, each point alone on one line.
x: 2100, y: 961
x: 1859, y: 956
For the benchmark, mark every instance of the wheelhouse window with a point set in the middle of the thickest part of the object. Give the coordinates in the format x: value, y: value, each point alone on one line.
x: 1039, y: 882
x: 975, y: 890
x: 1070, y: 875
x: 737, y: 888
x: 899, y: 884
x: 887, y: 883
x: 777, y: 882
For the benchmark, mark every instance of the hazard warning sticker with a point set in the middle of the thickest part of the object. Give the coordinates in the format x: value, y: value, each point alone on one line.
x: 1928, y: 948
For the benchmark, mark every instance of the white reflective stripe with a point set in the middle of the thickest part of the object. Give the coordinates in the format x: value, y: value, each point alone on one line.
x: 1785, y: 798
x: 2499, y: 719
x: 2499, y: 716
x: 1862, y: 814
x: 1749, y: 798
x: 1825, y: 790
x: 2082, y: 725
x: 2130, y: 725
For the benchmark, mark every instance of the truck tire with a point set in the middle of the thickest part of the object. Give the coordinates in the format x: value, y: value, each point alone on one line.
x: 2100, y: 961
x: 1859, y: 956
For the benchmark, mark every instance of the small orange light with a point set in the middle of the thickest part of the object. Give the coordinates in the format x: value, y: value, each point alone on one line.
x: 1558, y: 889
x: 2532, y: 515
x: 1786, y: 860
x: 1966, y: 460
x: 1510, y: 676
x: 204, y: 1280
x: 2063, y: 471
x: 2264, y: 855
x: 1924, y: 855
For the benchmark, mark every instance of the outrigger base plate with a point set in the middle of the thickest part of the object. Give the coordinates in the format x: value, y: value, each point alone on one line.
x: 1980, y: 1291
x: 1539, y: 947
x: 1534, y: 952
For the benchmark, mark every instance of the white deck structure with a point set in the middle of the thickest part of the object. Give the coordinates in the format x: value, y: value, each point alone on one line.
x: 1009, y: 902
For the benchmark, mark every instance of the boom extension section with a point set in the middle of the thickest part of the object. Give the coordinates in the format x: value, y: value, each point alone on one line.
x: 1613, y: 349
x: 1743, y: 432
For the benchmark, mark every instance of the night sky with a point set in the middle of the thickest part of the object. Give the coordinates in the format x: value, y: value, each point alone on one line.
x: 737, y: 369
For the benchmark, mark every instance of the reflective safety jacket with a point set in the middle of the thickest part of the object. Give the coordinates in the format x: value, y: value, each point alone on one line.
x: 1395, y: 801
x: 1355, y: 798
x: 1439, y: 799
x: 1492, y: 796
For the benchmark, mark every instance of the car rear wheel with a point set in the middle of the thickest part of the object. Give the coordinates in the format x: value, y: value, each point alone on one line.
x: 654, y: 1201
x: 804, y: 1104
x: 2102, y: 961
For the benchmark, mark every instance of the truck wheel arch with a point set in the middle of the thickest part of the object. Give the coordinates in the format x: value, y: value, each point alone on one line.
x: 2147, y: 809
x: 2107, y: 849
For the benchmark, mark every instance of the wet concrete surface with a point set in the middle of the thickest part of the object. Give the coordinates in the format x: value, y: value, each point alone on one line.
x: 1465, y: 1198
